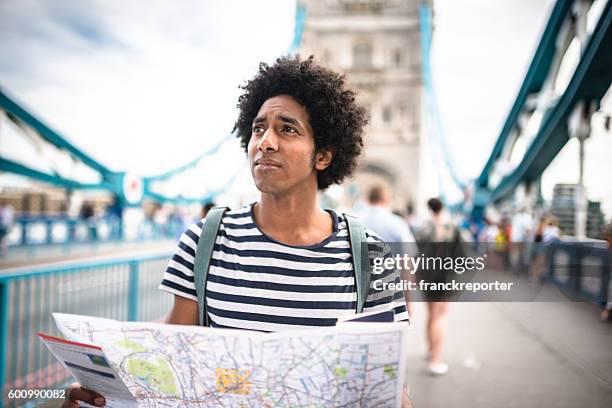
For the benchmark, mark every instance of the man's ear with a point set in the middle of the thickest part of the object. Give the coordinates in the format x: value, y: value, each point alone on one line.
x: 323, y: 159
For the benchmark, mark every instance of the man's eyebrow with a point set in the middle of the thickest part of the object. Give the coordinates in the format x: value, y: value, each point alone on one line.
x: 290, y: 120
x: 259, y: 119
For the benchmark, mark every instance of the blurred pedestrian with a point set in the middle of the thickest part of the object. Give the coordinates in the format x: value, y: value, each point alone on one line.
x: 206, y: 208
x: 551, y: 232
x: 503, y: 242
x: 160, y: 221
x: 521, y: 236
x: 114, y: 213
x: 539, y: 230
x: 392, y: 228
x: 377, y: 216
x: 88, y: 215
x: 411, y: 218
x: 489, y: 234
x: 538, y: 254
x: 7, y: 215
x: 436, y: 240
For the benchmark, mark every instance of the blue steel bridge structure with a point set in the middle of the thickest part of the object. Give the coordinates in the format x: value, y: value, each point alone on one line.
x: 569, y: 74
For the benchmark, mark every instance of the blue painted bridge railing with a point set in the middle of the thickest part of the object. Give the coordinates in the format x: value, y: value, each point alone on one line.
x: 47, y: 230
x: 123, y: 289
x: 581, y: 269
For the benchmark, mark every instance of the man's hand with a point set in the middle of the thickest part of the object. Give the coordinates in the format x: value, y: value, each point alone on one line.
x: 184, y: 311
x: 406, y: 403
x: 76, y: 393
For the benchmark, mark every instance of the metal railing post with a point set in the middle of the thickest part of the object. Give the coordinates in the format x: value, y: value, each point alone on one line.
x: 576, y: 254
x: 4, y: 303
x: 550, y: 261
x: 606, y: 268
x: 133, y: 292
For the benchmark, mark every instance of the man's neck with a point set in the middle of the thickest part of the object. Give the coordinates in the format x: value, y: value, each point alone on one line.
x: 292, y: 219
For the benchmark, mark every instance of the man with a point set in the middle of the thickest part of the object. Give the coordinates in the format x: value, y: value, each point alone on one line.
x: 392, y: 228
x: 283, y: 262
x: 378, y: 217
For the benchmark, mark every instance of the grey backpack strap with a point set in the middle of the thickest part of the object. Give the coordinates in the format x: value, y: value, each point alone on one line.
x: 206, y: 242
x: 362, y: 275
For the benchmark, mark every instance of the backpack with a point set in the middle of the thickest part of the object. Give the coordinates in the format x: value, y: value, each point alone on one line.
x: 208, y: 237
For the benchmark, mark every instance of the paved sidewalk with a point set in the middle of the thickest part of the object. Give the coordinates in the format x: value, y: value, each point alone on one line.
x: 552, y: 354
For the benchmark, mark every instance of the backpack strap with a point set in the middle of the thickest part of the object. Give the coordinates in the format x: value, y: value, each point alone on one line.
x: 362, y: 275
x: 206, y: 242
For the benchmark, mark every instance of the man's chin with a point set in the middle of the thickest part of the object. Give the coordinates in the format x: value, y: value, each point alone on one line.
x: 268, y: 188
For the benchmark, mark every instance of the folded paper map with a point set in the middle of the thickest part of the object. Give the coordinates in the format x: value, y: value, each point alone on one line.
x: 349, y: 365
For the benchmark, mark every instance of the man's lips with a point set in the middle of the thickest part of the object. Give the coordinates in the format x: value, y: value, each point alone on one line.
x: 267, y: 163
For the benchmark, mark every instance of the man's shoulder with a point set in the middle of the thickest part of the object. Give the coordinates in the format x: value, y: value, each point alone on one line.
x: 371, y: 236
x: 232, y: 217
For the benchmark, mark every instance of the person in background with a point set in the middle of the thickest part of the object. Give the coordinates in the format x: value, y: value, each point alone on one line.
x: 437, y: 230
x: 377, y: 216
x: 392, y: 228
x: 503, y: 243
x: 411, y: 218
x: 521, y: 236
x: 88, y: 215
x: 114, y: 213
x: 551, y: 232
x: 206, y: 208
x: 489, y: 234
x: 539, y: 230
x: 537, y: 254
x: 7, y: 215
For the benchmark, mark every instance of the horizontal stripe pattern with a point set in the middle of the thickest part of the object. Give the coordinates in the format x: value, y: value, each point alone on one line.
x: 259, y: 284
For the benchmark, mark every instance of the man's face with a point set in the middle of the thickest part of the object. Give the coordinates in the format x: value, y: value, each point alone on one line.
x: 281, y: 149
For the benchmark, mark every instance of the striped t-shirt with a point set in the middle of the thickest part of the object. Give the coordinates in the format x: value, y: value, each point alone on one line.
x: 257, y: 283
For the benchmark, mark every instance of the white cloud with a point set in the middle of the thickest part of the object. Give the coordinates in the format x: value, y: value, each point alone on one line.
x: 140, y: 86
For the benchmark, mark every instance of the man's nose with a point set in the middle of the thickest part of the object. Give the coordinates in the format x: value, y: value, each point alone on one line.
x: 268, y: 142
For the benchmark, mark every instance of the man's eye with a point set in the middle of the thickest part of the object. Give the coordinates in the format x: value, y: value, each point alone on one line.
x: 257, y: 129
x: 289, y: 129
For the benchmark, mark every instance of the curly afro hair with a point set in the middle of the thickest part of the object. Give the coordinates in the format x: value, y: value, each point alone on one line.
x: 336, y: 119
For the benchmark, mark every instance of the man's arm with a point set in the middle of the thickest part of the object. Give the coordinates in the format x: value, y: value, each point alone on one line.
x: 184, y: 311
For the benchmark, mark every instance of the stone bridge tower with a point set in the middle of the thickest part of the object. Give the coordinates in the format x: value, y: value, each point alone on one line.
x: 376, y: 43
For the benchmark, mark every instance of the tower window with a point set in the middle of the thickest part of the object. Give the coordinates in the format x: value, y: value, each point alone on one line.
x: 397, y: 57
x: 387, y: 114
x: 362, y: 56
